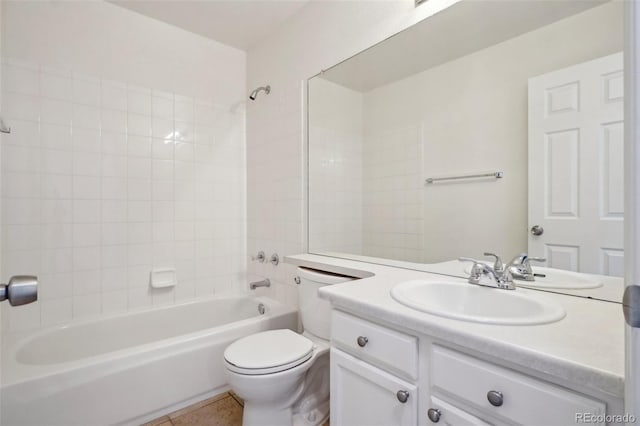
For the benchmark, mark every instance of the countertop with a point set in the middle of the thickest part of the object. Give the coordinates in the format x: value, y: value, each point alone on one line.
x: 585, y: 348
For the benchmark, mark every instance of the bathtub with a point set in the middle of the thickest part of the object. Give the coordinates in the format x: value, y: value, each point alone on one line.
x: 129, y: 368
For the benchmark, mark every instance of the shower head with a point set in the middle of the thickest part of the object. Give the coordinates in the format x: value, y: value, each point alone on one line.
x: 267, y: 90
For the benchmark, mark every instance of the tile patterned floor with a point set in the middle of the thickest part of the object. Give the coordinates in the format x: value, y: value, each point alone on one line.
x: 221, y: 410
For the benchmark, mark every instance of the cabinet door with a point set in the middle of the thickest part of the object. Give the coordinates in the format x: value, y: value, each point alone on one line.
x: 363, y: 395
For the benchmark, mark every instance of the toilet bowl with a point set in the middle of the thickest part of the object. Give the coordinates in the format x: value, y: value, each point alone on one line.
x: 283, y: 376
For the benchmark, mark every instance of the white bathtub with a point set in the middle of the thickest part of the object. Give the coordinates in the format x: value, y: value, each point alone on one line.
x: 130, y: 368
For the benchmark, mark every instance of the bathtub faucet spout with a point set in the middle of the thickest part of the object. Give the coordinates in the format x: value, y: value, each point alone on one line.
x: 263, y: 283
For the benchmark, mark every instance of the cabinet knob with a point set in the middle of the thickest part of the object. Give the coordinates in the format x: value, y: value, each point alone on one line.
x: 434, y: 414
x: 402, y: 396
x: 362, y: 341
x: 495, y: 398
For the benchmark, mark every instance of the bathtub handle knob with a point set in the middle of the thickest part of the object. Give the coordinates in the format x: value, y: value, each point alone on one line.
x: 260, y: 257
x: 22, y: 289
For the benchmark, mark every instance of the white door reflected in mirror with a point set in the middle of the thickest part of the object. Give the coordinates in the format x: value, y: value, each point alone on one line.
x: 576, y: 167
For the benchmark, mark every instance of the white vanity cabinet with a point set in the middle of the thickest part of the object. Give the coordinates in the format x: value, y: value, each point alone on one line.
x: 373, y: 374
x: 382, y: 376
x: 363, y: 395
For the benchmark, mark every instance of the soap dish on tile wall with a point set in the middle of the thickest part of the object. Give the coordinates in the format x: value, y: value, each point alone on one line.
x: 163, y: 278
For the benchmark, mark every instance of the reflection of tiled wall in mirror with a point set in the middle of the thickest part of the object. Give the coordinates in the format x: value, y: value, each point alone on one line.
x: 335, y: 168
x: 393, y: 211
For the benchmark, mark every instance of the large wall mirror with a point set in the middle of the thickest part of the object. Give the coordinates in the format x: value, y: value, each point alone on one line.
x: 489, y: 127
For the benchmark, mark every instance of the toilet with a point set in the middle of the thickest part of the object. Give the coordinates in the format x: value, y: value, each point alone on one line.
x: 283, y: 376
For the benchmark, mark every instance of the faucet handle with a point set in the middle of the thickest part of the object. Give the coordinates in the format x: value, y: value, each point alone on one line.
x: 477, y: 270
x: 524, y: 259
x: 260, y: 257
x: 498, y: 266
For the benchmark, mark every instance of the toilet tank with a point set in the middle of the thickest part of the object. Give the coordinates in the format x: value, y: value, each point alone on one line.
x: 315, y: 313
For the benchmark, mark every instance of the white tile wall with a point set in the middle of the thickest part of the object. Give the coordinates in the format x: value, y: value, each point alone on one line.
x: 335, y: 168
x: 103, y: 181
x: 275, y: 215
x: 393, y: 194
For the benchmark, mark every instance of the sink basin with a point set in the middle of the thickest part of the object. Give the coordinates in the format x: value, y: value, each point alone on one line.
x: 474, y: 303
x: 556, y: 279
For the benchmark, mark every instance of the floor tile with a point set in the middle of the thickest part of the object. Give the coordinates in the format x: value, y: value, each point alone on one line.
x: 198, y: 405
x: 237, y: 398
x: 223, y: 412
x: 162, y: 421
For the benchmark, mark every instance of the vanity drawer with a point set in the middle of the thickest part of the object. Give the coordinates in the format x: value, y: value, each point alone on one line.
x: 448, y: 415
x: 388, y: 348
x: 523, y: 399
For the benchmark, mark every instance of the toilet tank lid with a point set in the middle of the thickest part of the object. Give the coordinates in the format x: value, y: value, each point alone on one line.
x: 268, y: 349
x: 322, y: 277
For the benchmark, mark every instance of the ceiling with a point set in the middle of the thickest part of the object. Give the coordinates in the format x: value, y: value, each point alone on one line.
x: 237, y: 23
x: 464, y: 28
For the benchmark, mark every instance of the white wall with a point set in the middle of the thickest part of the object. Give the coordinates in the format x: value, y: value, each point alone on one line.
x: 98, y: 38
x: 127, y: 154
x: 473, y: 121
x: 322, y: 34
x: 335, y: 168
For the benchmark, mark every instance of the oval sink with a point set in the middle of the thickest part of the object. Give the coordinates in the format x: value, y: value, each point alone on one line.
x: 470, y: 302
x: 556, y: 279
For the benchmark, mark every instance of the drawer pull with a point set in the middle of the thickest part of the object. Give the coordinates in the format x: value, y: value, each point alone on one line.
x: 362, y: 341
x: 402, y: 396
x: 434, y: 414
x: 495, y: 398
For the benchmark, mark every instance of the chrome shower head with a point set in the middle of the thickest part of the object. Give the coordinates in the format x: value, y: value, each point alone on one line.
x: 254, y: 94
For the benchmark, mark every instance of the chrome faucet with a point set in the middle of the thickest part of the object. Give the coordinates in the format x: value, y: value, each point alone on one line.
x: 263, y: 283
x: 485, y: 275
x: 520, y: 267
x: 498, y: 265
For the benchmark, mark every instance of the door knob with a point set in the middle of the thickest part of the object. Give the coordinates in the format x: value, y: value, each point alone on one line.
x: 537, y: 230
x: 22, y: 289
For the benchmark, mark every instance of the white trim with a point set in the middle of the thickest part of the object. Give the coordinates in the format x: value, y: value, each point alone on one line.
x: 632, y: 200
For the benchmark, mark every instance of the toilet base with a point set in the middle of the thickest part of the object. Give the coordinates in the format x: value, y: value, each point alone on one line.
x: 315, y: 417
x: 268, y: 416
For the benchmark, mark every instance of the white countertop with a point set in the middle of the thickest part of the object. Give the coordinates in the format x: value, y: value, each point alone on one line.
x: 585, y: 348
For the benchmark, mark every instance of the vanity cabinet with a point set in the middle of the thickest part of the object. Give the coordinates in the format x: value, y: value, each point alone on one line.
x: 373, y: 374
x: 382, y: 376
x: 363, y: 395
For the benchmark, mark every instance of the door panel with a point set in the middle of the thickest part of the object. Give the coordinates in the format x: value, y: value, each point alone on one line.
x: 576, y: 166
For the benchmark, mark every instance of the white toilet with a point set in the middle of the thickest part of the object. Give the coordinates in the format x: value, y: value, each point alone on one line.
x: 283, y: 376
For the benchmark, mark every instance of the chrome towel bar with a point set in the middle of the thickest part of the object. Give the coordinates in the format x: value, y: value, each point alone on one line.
x: 497, y: 175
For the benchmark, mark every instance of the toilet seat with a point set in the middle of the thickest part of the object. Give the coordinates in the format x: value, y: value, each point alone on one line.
x: 268, y: 352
